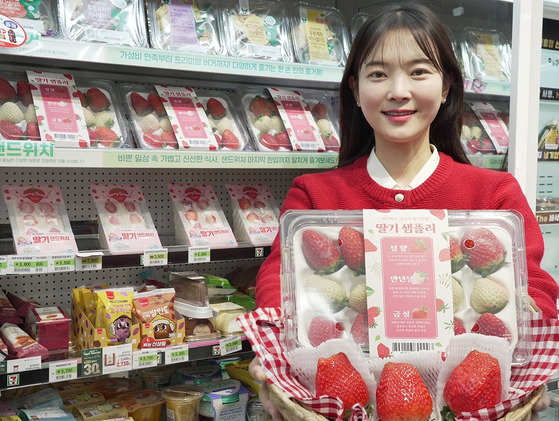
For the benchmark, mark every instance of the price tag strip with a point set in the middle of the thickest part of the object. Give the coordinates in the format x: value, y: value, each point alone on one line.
x: 158, y: 257
x: 19, y: 265
x: 230, y: 345
x: 92, y: 362
x: 145, y: 358
x: 89, y: 261
x: 19, y: 365
x: 199, y: 254
x: 117, y: 358
x: 62, y: 263
x: 67, y: 370
x: 3, y: 265
x: 176, y: 354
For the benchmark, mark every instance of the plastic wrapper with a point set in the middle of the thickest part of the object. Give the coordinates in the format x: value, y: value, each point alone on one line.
x: 325, y: 118
x: 257, y: 29
x: 143, y: 405
x: 119, y: 22
x: 474, y: 135
x: 46, y: 398
x: 357, y: 22
x: 319, y: 34
x: 36, y: 16
x: 111, y: 387
x: 18, y: 120
x: 191, y: 26
x: 20, y: 344
x: 8, y: 313
x: 50, y: 326
x: 182, y: 402
x: 486, y: 55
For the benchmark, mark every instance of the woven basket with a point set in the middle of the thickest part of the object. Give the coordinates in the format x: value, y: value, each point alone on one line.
x: 523, y: 411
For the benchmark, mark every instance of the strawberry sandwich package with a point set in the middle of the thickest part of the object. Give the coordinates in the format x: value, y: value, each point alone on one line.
x: 18, y: 120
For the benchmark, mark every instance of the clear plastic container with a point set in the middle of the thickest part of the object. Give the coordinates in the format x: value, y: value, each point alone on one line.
x: 36, y: 17
x: 111, y: 387
x: 182, y: 402
x: 142, y: 405
x: 325, y: 117
x: 357, y: 22
x: 17, y: 113
x: 157, y: 378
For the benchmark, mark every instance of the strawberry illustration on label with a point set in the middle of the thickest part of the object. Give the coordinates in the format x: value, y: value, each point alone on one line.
x: 35, y: 195
x: 251, y: 192
x: 420, y: 313
x: 193, y: 193
x: 119, y: 194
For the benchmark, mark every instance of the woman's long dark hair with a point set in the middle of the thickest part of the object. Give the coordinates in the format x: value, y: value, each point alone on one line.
x: 357, y: 136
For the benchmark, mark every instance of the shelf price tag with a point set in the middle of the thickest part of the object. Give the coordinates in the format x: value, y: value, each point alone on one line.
x: 145, y: 358
x: 18, y: 265
x: 89, y: 261
x: 23, y: 364
x: 230, y: 345
x: 176, y: 354
x: 3, y: 265
x: 117, y: 358
x: 62, y: 263
x: 157, y: 257
x: 199, y: 254
x: 67, y: 370
x: 92, y: 362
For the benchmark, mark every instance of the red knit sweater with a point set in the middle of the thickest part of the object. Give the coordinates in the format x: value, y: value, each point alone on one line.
x: 452, y: 186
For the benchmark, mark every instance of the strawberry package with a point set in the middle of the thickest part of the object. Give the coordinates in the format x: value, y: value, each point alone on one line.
x: 102, y: 112
x: 346, y: 278
x: 190, y: 26
x: 37, y: 17
x: 257, y: 29
x: 319, y: 34
x: 18, y: 120
x: 102, y: 21
x: 325, y: 117
x: 199, y: 219
x: 224, y: 121
x: 255, y: 213
x: 38, y: 219
x: 125, y: 224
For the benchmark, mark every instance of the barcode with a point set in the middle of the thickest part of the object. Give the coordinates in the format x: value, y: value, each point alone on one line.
x: 146, y: 364
x: 63, y: 268
x: 64, y: 377
x: 66, y: 136
x: 412, y: 346
x: 264, y: 50
x: 309, y: 145
x: 198, y: 259
x: 22, y: 270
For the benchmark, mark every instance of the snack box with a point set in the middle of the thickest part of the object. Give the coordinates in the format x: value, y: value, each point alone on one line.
x: 190, y: 26
x: 257, y: 29
x: 99, y: 21
x: 325, y: 117
x: 50, y: 326
x: 18, y: 120
x: 125, y: 224
x: 38, y: 219
x: 224, y: 120
x: 36, y: 17
x: 486, y: 55
x: 326, y: 27
x: 199, y: 219
x: 319, y: 306
x: 102, y: 111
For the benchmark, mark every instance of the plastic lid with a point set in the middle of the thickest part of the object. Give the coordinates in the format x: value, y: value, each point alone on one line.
x: 190, y: 310
x: 185, y: 392
x: 140, y: 399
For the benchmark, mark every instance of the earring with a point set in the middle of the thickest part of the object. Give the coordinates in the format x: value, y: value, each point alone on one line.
x: 443, y: 101
x: 358, y: 103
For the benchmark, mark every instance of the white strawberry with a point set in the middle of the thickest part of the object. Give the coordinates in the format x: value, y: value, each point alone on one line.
x: 325, y: 127
x: 104, y: 119
x: 457, y: 294
x: 358, y: 298
x: 89, y: 117
x: 262, y: 124
x: 9, y: 111
x: 166, y: 125
x: 488, y: 296
x: 30, y: 114
x: 224, y: 124
x: 149, y: 123
x: 276, y: 124
x: 326, y: 294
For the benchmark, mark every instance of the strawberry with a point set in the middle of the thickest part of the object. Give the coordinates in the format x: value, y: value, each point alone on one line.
x: 331, y: 143
x: 273, y: 106
x: 383, y: 351
x: 457, y: 258
x: 323, y: 328
x: 457, y: 294
x: 402, y: 394
x: 488, y: 296
x: 484, y: 250
x: 157, y: 106
x: 32, y: 130
x: 319, y: 111
x: 420, y: 313
x: 282, y: 139
x: 359, y: 329
x: 106, y: 136
x: 215, y: 109
x: 336, y: 377
x: 418, y: 246
x: 441, y: 305
x: 473, y: 145
x: 320, y: 253
x: 7, y: 91
x: 259, y: 106
x: 326, y: 294
x: 139, y: 104
x: 10, y: 131
x: 459, y: 328
x: 81, y: 96
x: 153, y: 140
x: 169, y: 139
x: 229, y: 140
x: 474, y: 384
x: 489, y: 324
x: 358, y: 297
x: 352, y: 249
x: 97, y: 100
x: 269, y: 141
x: 24, y: 93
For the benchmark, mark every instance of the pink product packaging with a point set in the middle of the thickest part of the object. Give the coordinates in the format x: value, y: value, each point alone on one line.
x: 125, y: 224
x: 22, y: 304
x: 8, y: 313
x: 20, y: 344
x: 199, y: 218
x: 325, y: 117
x: 255, y: 213
x: 50, y: 326
x: 18, y: 120
x: 38, y: 219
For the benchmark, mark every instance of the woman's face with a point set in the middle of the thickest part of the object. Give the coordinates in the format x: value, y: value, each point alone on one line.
x: 400, y: 90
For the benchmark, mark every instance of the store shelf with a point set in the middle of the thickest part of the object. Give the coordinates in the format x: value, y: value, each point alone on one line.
x: 480, y: 87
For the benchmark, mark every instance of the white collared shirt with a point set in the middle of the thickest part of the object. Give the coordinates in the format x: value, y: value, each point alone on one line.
x: 379, y: 174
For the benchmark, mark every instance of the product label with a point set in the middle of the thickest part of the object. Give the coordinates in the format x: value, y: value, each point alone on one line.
x: 11, y: 33
x: 493, y: 125
x: 488, y: 51
x: 183, y: 24
x: 316, y: 32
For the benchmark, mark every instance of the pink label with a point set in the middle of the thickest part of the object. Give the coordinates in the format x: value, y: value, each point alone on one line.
x: 183, y: 24
x: 301, y: 127
x: 58, y: 108
x: 409, y: 287
x: 496, y: 129
x: 187, y: 115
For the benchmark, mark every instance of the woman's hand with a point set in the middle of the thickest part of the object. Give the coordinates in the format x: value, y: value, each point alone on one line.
x: 541, y: 405
x: 257, y: 373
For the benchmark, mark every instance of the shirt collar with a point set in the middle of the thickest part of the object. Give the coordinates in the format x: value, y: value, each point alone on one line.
x: 379, y: 174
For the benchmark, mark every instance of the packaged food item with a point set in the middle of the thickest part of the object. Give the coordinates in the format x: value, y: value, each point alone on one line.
x: 143, y: 405
x: 84, y: 298
x: 8, y: 314
x: 125, y: 224
x: 255, y: 213
x: 549, y: 137
x: 100, y: 411
x: 20, y: 344
x: 226, y: 399
x: 157, y: 377
x: 256, y: 411
x: 357, y: 22
x: 199, y: 218
x: 100, y: 21
x: 102, y: 112
x: 239, y: 370
x: 7, y: 409
x: 38, y: 219
x: 80, y: 397
x: 226, y: 315
x: 111, y: 387
x: 21, y: 304
x: 494, y: 127
x: 325, y: 117
x: 319, y: 35
x: 199, y: 374
x: 18, y: 120
x: 191, y: 26
x: 51, y: 414
x: 49, y: 326
x: 37, y: 17
x: 46, y: 398
x: 114, y: 314
x: 224, y: 121
x: 486, y: 55
x: 182, y: 402
x: 156, y: 312
x: 257, y: 29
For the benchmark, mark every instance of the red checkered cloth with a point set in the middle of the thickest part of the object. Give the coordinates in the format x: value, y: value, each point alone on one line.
x: 264, y: 329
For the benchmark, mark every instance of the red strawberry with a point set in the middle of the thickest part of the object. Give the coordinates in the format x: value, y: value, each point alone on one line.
x: 10, y: 131
x: 7, y: 91
x: 402, y: 395
x: 489, y: 324
x: 441, y: 306
x: 24, y: 93
x: 331, y: 143
x: 474, y: 384
x: 336, y: 377
x: 282, y: 139
x: 169, y: 139
x: 33, y: 132
x: 373, y: 312
x: 157, y: 106
x: 106, y: 136
x: 457, y: 258
x: 420, y: 313
x: 473, y: 145
x: 352, y: 249
x: 383, y: 351
x: 369, y: 246
x: 319, y: 111
x: 153, y: 140
x: 259, y: 106
x: 79, y: 94
x: 269, y: 141
x: 458, y: 327
x: 229, y: 140
x: 359, y: 329
x: 97, y: 100
x: 215, y: 109
x: 323, y: 328
x: 484, y: 250
x: 139, y: 104
x: 320, y: 253
x: 244, y: 203
x: 273, y: 106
